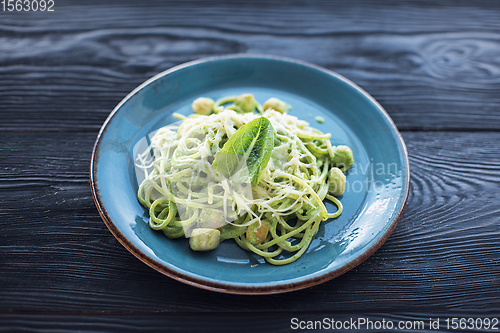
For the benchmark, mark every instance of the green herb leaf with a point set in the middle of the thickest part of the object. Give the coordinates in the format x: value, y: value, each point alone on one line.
x: 247, y: 152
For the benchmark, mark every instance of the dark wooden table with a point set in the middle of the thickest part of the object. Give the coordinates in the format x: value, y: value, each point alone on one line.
x: 434, y: 66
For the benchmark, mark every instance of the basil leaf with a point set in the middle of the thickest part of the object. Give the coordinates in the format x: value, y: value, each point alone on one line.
x: 247, y: 152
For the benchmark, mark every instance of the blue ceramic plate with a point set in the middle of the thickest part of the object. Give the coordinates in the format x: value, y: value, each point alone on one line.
x: 377, y: 185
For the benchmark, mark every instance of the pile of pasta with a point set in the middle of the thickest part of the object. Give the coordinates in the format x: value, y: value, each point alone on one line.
x: 276, y: 218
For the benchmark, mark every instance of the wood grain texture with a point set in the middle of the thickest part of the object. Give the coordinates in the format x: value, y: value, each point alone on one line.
x: 431, y: 65
x: 56, y: 254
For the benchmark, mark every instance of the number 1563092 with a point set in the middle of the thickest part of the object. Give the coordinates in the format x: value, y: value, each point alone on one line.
x: 27, y: 5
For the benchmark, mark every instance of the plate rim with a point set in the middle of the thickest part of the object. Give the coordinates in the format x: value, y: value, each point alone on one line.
x: 231, y: 288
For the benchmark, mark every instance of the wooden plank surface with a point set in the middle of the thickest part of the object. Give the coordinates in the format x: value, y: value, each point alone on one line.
x: 56, y: 254
x: 431, y: 65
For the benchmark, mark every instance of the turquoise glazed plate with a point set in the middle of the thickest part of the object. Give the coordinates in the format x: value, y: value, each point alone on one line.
x: 377, y: 185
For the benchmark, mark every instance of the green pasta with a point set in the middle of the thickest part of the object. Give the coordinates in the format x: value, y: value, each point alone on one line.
x: 268, y: 196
